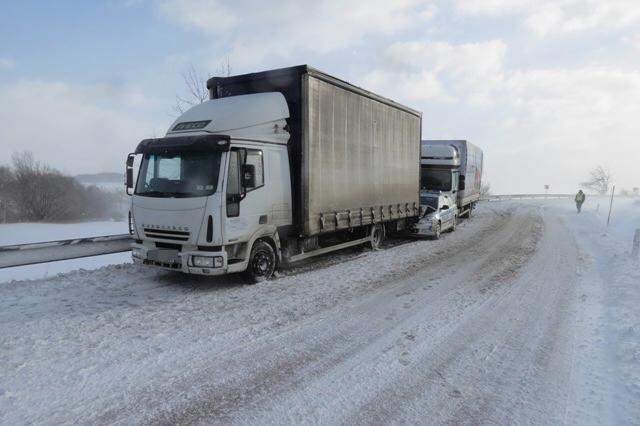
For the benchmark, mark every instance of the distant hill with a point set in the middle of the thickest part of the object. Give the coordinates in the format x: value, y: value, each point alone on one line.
x: 106, y: 181
x: 100, y: 178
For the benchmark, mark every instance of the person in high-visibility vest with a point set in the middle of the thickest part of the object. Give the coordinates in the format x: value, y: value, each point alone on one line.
x: 580, y: 197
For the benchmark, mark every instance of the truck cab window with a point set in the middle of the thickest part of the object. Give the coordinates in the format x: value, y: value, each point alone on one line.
x: 254, y: 158
x: 233, y: 181
x: 235, y: 189
x: 233, y: 185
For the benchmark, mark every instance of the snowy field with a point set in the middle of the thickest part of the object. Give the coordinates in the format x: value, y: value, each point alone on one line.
x: 528, y: 314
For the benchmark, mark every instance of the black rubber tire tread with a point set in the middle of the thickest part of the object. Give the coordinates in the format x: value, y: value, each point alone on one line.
x: 262, y: 263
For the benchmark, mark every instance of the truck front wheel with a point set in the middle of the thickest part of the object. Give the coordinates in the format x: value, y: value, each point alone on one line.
x: 262, y: 263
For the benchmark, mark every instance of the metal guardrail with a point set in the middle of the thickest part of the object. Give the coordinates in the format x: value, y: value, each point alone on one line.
x: 523, y: 196
x: 52, y: 251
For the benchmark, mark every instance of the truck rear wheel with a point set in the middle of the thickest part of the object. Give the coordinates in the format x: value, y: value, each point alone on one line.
x: 376, y: 236
x: 262, y: 263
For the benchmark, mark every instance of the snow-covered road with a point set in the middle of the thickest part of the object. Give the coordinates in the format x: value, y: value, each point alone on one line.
x: 502, y: 322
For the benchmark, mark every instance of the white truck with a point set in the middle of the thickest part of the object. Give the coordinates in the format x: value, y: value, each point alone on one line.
x: 453, y: 167
x: 277, y: 166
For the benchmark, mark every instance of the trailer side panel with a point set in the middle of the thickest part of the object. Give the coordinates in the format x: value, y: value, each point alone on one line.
x: 361, y: 158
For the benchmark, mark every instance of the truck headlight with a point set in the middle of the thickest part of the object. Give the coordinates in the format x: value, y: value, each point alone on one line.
x: 136, y: 252
x: 207, y: 262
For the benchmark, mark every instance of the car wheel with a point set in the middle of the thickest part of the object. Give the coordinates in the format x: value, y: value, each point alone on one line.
x: 262, y: 263
x: 438, y: 232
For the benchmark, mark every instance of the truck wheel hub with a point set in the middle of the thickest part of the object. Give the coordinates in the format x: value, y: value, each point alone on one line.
x: 262, y: 263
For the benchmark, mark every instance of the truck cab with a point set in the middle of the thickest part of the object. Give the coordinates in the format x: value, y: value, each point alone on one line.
x: 439, y: 168
x: 453, y: 167
x: 217, y: 183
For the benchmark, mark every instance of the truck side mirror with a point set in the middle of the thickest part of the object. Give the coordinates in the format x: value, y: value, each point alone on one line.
x: 461, y: 184
x: 128, y: 177
x: 248, y: 176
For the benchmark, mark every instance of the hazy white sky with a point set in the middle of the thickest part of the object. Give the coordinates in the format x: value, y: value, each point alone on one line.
x: 548, y: 88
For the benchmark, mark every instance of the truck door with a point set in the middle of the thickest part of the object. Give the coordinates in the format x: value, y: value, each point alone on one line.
x: 245, y: 197
x: 446, y: 215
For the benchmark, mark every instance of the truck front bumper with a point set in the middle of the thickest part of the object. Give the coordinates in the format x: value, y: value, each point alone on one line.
x: 189, y: 262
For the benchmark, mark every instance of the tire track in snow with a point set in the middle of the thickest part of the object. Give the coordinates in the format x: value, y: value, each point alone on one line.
x: 471, y: 373
x: 424, y: 368
x: 339, y: 336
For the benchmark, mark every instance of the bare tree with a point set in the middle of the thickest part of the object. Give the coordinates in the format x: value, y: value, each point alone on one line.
x: 197, y: 91
x: 485, y: 189
x: 599, y: 180
x: 39, y: 193
x: 224, y: 69
x: 7, y: 203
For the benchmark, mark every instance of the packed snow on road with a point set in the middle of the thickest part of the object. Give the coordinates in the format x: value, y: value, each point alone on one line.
x: 528, y: 313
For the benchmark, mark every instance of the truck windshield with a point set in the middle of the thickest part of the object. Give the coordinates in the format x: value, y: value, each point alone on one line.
x: 179, y: 174
x: 436, y: 180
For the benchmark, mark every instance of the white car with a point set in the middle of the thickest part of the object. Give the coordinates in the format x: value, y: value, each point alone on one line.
x: 438, y: 213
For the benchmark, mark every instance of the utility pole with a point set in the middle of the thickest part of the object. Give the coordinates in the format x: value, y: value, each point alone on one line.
x: 611, y: 205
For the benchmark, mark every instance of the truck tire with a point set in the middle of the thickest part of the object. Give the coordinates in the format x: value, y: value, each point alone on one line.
x: 262, y: 263
x: 438, y: 232
x: 376, y: 236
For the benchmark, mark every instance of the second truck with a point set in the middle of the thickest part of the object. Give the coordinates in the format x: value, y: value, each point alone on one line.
x: 452, y: 167
x: 277, y: 166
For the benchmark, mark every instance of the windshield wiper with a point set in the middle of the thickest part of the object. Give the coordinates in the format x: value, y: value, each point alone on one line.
x: 181, y: 194
x: 165, y: 194
x: 153, y: 194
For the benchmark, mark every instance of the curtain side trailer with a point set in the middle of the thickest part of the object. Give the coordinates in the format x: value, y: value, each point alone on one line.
x: 276, y: 167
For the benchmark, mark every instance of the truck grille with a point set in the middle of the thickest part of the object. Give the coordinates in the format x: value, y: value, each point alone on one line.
x: 165, y: 265
x: 166, y: 235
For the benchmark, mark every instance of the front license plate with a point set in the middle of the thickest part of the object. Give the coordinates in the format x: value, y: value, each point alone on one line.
x: 164, y: 255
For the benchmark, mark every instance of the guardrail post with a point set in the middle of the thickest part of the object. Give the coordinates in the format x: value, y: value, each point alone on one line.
x: 636, y: 244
